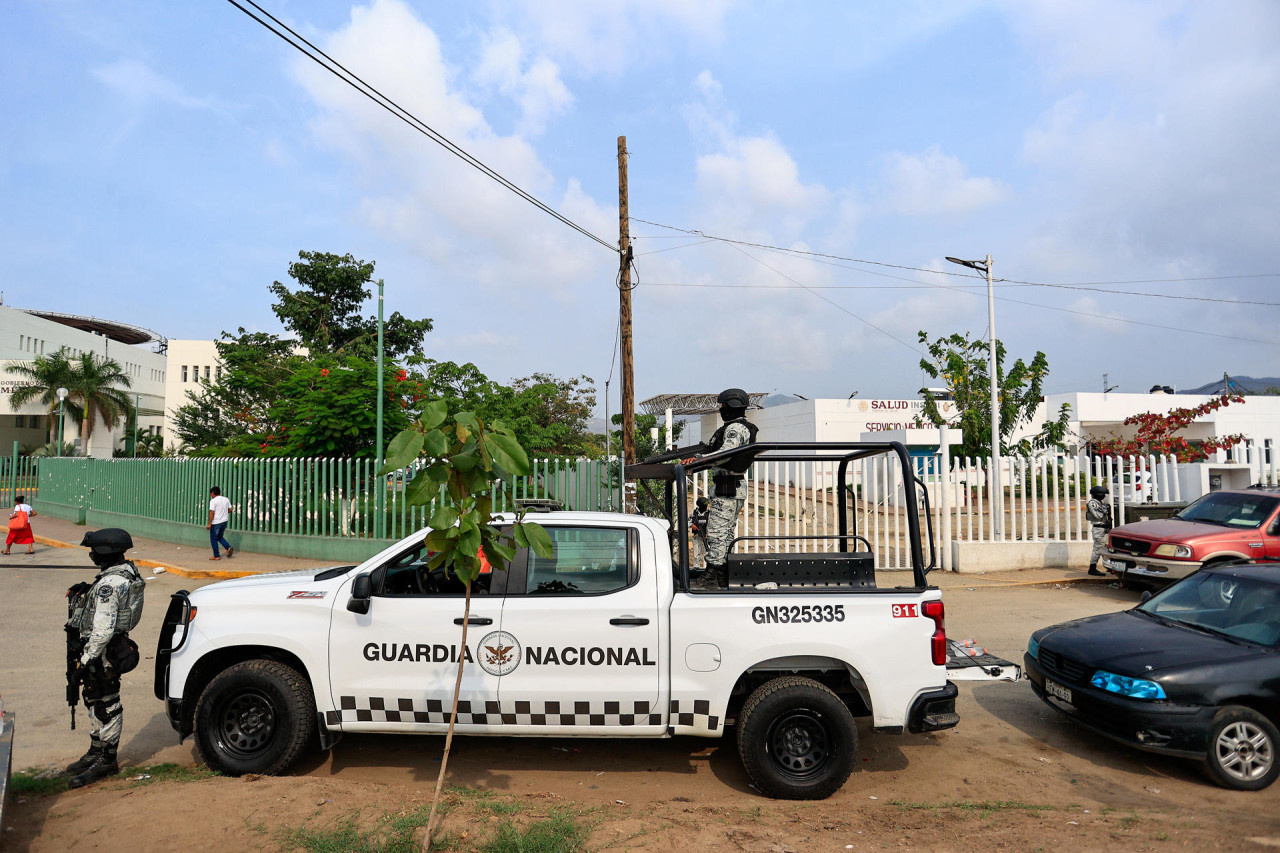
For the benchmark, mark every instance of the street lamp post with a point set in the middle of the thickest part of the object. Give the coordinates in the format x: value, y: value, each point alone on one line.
x: 381, y: 492
x: 62, y: 399
x: 997, y: 508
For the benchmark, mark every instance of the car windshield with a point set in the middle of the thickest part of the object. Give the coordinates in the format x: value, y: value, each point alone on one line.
x: 1221, y: 603
x: 1231, y: 509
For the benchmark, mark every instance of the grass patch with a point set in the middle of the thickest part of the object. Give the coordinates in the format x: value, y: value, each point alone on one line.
x: 560, y: 832
x: 389, y: 834
x: 168, y: 772
x: 37, y: 783
x: 982, y: 808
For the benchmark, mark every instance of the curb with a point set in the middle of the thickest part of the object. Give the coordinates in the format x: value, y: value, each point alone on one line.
x: 170, y: 568
x: 1055, y: 582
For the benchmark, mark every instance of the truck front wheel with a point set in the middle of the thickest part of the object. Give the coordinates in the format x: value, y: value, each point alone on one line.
x: 254, y: 717
x: 797, y: 740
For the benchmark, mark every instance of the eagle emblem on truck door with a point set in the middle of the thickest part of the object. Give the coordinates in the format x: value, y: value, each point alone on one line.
x: 499, y: 653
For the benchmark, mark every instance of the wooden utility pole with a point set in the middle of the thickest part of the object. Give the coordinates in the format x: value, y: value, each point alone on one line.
x: 624, y: 309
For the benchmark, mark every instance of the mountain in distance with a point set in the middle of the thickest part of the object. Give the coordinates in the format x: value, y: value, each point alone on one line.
x: 1244, y: 385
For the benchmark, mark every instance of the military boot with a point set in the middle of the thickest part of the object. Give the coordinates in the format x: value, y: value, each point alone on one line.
x: 713, y: 578
x: 1093, y: 570
x: 104, y: 766
x: 87, y: 760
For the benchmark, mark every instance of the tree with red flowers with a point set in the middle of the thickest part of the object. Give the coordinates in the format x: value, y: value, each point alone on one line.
x: 1158, y: 434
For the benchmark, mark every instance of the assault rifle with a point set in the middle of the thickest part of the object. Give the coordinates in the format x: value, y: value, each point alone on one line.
x: 75, y: 645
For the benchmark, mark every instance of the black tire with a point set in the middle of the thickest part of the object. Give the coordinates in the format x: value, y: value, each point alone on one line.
x: 1241, y: 753
x: 797, y: 740
x: 254, y: 717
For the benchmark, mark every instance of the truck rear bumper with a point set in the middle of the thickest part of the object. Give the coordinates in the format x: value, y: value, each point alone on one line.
x: 934, y: 710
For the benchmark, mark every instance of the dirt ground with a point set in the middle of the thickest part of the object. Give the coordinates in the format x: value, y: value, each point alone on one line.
x: 1013, y: 775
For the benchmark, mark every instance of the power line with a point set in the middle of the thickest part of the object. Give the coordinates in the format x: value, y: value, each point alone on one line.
x: 1087, y: 285
x: 836, y: 305
x: 340, y: 71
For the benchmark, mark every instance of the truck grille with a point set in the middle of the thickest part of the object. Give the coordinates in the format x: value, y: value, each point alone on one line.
x: 1062, y: 667
x: 1129, y: 545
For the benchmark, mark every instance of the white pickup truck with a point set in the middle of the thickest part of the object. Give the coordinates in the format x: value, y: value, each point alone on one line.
x: 603, y: 639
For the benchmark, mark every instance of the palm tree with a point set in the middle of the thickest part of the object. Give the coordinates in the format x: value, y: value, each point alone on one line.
x: 43, y: 377
x: 95, y: 386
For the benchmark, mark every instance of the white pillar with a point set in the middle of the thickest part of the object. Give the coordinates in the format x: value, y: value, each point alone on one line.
x: 671, y: 438
x: 944, y: 489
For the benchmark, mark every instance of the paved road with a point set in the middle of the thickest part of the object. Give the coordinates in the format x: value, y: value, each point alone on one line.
x: 33, y: 609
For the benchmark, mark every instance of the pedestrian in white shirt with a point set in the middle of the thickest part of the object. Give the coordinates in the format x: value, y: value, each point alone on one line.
x: 219, y: 518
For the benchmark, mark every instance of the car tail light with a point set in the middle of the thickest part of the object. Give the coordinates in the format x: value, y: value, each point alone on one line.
x: 938, y: 642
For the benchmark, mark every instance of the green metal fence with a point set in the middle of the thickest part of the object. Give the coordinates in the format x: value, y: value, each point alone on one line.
x: 322, y: 497
x: 18, y: 478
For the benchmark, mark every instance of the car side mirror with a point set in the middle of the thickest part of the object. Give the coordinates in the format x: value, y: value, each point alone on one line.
x: 361, y: 593
x: 1146, y: 596
x: 1274, y: 529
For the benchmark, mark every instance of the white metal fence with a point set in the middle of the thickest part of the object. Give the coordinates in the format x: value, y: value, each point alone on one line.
x: 1038, y: 499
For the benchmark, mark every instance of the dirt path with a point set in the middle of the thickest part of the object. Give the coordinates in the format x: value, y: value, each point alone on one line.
x: 1014, y: 775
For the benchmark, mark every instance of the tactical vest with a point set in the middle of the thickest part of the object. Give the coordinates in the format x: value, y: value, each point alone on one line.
x: 740, y: 466
x: 128, y: 611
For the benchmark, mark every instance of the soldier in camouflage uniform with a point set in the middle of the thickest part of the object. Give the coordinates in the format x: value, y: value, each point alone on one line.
x: 100, y: 612
x: 730, y: 487
x: 1098, y: 513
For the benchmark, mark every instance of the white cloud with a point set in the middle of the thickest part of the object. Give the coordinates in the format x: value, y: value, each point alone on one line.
x: 935, y: 183
x: 136, y: 82
x: 596, y: 37
x: 416, y: 193
x: 535, y: 85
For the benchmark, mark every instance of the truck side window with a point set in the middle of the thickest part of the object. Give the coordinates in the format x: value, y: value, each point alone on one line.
x: 408, y: 574
x: 585, y: 560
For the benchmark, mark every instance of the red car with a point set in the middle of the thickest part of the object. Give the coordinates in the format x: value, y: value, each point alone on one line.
x: 1240, y: 524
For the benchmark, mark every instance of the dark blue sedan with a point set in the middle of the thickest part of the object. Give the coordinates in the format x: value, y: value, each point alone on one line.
x: 1193, y: 671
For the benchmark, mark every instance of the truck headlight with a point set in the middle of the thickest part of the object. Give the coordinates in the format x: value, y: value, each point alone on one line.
x: 1033, y: 647
x: 1135, y: 688
x: 1171, y: 550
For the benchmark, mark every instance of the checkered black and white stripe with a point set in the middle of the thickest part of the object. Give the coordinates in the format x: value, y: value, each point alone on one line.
x: 375, y: 709
x: 697, y: 714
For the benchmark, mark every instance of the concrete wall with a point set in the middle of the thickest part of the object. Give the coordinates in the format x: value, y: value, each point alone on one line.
x: 971, y: 557
x: 337, y: 549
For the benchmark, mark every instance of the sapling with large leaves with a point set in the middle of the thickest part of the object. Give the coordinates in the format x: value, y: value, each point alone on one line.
x: 458, y: 463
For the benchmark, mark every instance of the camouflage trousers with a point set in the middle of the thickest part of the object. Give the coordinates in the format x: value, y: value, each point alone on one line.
x: 102, y: 701
x: 722, y: 520
x: 1099, y: 544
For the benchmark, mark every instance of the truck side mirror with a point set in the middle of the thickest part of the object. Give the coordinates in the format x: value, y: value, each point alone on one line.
x: 1274, y: 528
x: 361, y: 593
x: 1146, y: 596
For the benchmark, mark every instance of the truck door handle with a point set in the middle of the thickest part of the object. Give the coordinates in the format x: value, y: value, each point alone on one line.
x: 474, y: 620
x: 628, y: 620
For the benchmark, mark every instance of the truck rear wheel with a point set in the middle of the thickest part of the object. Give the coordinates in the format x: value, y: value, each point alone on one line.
x: 797, y: 740
x: 254, y: 717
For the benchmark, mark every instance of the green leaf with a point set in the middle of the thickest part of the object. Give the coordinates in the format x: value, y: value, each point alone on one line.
x: 521, y: 540
x: 444, y: 516
x: 465, y: 461
x: 462, y: 432
x: 435, y: 443
x: 433, y: 414
x: 439, y: 541
x: 505, y: 553
x: 470, y: 421
x: 539, y: 540
x: 466, y: 566
x: 423, y: 488
x: 402, y: 450
x: 508, y: 453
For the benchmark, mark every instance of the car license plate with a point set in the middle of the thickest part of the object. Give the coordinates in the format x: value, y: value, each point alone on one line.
x: 1054, y: 689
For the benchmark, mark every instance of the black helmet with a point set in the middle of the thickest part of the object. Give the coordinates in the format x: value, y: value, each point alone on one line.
x: 107, y: 546
x: 1098, y: 492
x: 734, y: 397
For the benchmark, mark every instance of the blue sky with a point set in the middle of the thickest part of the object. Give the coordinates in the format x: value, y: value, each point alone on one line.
x: 162, y: 163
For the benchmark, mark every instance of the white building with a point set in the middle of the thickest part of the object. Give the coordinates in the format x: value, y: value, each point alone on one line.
x: 24, y: 335
x: 191, y: 364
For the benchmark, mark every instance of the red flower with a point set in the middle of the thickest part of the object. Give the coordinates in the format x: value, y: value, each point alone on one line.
x: 402, y: 375
x: 324, y: 371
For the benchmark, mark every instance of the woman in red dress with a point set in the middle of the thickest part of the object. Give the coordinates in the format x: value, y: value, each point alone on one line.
x: 22, y: 511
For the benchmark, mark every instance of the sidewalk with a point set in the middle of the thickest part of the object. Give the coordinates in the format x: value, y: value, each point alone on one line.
x: 182, y: 560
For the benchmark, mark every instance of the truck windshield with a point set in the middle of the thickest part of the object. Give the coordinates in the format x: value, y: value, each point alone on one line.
x: 1231, y: 509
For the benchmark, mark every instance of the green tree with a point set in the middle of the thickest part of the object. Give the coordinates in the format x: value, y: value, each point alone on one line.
x: 324, y: 312
x: 963, y: 366
x: 467, y: 456
x: 42, y: 377
x: 97, y: 387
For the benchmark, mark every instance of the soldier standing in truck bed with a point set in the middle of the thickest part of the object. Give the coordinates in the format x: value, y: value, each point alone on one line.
x: 729, y: 491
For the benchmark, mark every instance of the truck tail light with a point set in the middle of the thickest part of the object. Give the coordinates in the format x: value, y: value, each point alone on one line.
x: 938, y: 642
